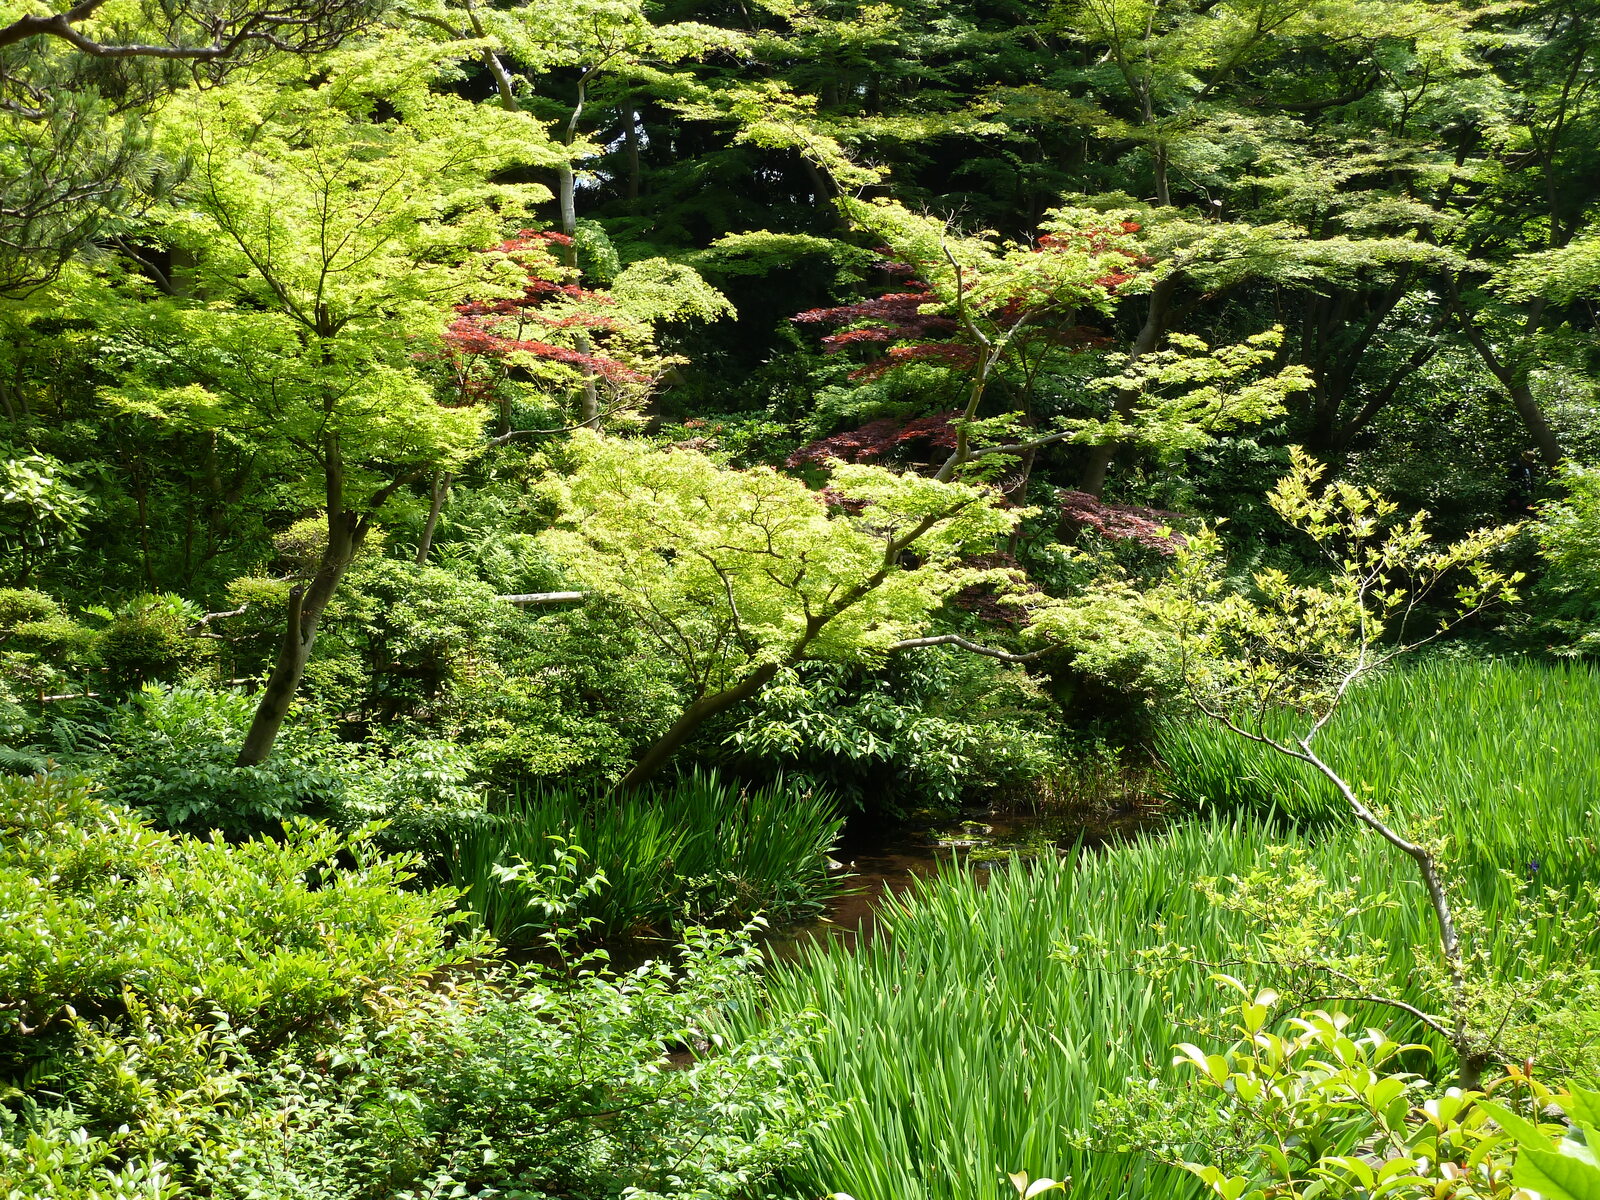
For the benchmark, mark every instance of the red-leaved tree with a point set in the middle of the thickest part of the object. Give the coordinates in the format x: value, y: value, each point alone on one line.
x: 530, y: 336
x: 980, y: 312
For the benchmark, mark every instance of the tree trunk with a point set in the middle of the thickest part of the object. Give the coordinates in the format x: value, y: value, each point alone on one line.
x: 1093, y: 480
x: 689, y: 721
x: 1544, y: 438
x: 630, y: 146
x: 567, y: 199
x: 566, y: 189
x: 441, y: 485
x: 306, y: 605
x: 1513, y: 377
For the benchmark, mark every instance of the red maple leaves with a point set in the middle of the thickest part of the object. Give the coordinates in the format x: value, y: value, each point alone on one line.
x: 483, y: 340
x: 878, y: 439
x: 1150, y: 527
x: 909, y: 327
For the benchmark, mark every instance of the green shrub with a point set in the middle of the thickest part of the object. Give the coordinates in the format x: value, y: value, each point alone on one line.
x: 20, y: 606
x: 696, y: 849
x: 1304, y: 1106
x: 537, y: 1086
x: 420, y: 788
x: 1567, y: 596
x: 170, y: 754
x: 282, y: 1022
x: 277, y: 936
x: 936, y: 727
x: 147, y: 640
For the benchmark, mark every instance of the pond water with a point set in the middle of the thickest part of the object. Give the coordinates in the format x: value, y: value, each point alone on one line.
x: 875, y: 864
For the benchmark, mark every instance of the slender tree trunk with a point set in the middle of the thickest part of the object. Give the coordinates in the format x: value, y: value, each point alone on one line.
x: 689, y: 721
x: 630, y: 144
x: 1093, y: 480
x: 441, y: 486
x: 566, y: 195
x: 566, y: 198
x: 1513, y: 377
x: 1163, y: 187
x: 307, y: 603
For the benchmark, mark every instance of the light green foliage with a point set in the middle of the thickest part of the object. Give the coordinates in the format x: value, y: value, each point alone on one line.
x: 1189, y: 393
x: 1300, y: 644
x: 1323, y: 1110
x: 1564, y: 275
x: 691, y: 850
x: 601, y: 34
x: 338, y: 241
x: 275, y: 935
x: 1113, y: 630
x: 735, y: 570
x: 1568, y: 530
x: 655, y: 290
x: 987, y: 272
x: 759, y: 252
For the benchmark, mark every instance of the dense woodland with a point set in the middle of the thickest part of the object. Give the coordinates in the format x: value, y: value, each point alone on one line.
x: 500, y: 501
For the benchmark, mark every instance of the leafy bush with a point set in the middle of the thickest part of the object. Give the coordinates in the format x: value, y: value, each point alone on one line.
x: 170, y: 753
x: 1321, y: 1110
x: 538, y: 1081
x: 283, y: 1021
x: 936, y: 727
x: 147, y: 640
x: 21, y: 606
x: 1569, y: 591
x: 419, y: 789
x: 697, y: 849
x: 276, y: 936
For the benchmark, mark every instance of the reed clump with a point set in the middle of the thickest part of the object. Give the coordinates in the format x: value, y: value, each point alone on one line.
x: 963, y: 1045
x: 1504, y: 754
x: 699, y: 849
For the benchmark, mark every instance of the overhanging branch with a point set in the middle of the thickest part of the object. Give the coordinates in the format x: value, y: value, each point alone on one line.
x: 955, y: 639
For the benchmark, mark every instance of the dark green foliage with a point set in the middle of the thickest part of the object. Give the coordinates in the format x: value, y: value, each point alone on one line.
x: 694, y: 849
x: 169, y: 753
x: 936, y: 727
x: 1567, y: 620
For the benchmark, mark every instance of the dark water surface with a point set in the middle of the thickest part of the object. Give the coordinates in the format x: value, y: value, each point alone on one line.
x: 876, y: 865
